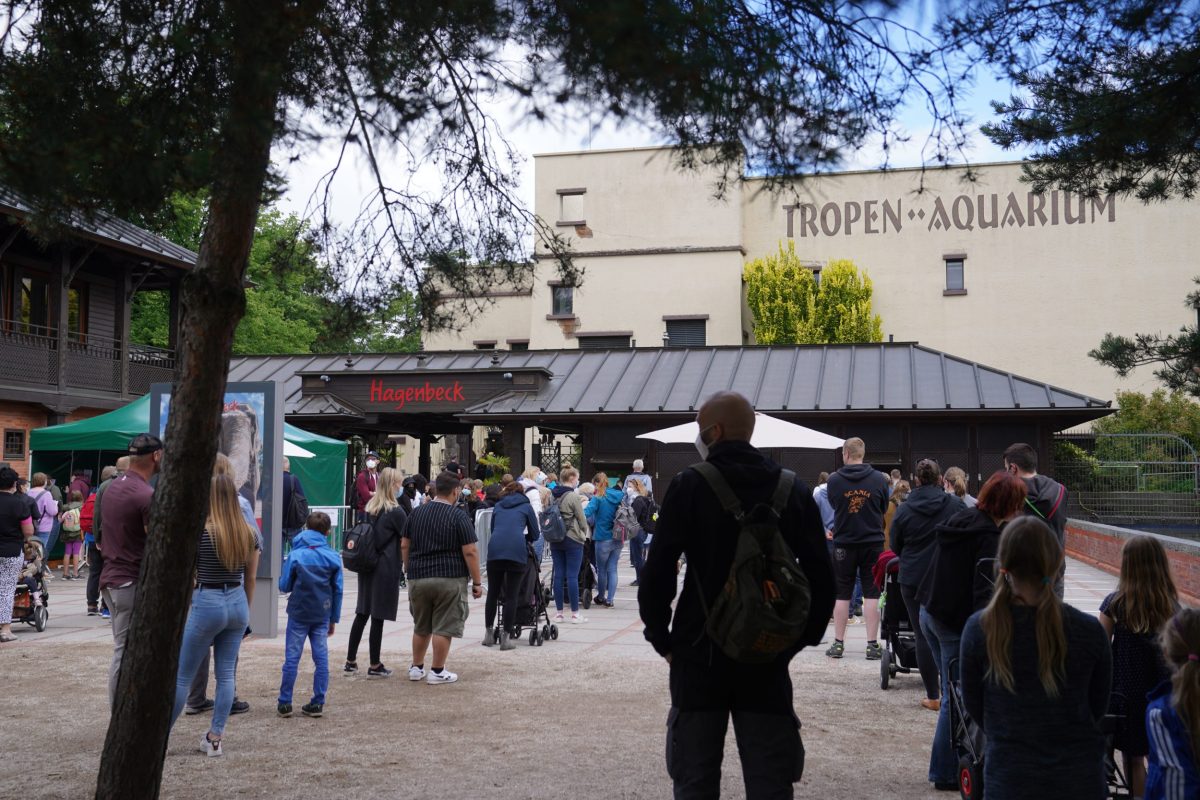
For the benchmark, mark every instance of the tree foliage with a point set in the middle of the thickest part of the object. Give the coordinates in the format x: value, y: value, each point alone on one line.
x: 789, y: 307
x: 1178, y: 355
x: 1158, y: 412
x: 1108, y: 92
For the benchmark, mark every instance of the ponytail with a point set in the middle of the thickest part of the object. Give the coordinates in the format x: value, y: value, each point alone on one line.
x: 1181, y: 647
x: 957, y: 479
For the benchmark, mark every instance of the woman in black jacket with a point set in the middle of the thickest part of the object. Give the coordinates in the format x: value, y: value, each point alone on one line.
x: 913, y: 536
x: 645, y: 512
x: 379, y: 589
x: 958, y: 583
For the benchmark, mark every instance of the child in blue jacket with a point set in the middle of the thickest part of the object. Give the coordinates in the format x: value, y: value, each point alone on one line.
x: 312, y: 573
x: 1173, y: 715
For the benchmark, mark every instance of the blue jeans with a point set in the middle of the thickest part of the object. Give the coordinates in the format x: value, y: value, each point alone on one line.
x: 217, y: 619
x: 943, y: 641
x: 568, y: 558
x: 539, y: 548
x: 608, y: 556
x: 293, y: 648
x: 637, y: 554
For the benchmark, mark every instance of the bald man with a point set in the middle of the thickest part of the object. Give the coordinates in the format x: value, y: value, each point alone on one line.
x: 706, y: 686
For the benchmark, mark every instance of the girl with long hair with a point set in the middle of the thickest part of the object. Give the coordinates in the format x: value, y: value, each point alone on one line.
x: 1173, y: 715
x: 955, y: 483
x: 1035, y: 676
x: 1133, y: 615
x: 379, y: 589
x: 226, y: 562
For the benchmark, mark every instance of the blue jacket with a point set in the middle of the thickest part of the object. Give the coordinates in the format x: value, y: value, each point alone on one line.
x: 601, y: 511
x: 821, y: 495
x: 1172, y: 774
x: 313, y: 575
x: 513, y: 524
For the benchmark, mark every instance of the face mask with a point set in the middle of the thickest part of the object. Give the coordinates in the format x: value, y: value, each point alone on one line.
x: 541, y: 477
x: 701, y: 447
x: 372, y: 464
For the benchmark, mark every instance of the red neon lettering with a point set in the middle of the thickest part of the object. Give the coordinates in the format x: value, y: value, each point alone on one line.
x: 427, y: 393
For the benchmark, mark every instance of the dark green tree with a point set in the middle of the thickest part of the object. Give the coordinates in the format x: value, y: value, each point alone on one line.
x: 117, y: 106
x: 1178, y: 355
x: 1108, y: 93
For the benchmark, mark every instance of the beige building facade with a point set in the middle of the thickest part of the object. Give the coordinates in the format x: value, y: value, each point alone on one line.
x: 982, y: 268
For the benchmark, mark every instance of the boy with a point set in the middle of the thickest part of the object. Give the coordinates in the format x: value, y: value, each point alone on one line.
x: 312, y: 573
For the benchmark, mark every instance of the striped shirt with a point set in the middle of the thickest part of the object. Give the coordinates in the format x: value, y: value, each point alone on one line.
x: 437, y: 533
x: 209, y: 568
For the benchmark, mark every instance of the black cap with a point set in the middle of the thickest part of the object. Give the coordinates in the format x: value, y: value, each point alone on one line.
x: 372, y: 454
x: 144, y: 444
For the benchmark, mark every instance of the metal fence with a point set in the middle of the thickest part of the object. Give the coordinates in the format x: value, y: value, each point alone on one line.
x: 1141, y: 478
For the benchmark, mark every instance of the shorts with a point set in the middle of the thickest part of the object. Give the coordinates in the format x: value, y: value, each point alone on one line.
x: 72, y: 548
x: 852, y: 561
x: 438, y: 606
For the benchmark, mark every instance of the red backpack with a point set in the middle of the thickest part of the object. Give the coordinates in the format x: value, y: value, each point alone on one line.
x: 87, y: 513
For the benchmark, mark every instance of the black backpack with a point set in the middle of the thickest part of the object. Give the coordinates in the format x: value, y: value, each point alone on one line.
x: 296, y: 514
x: 762, y: 609
x: 359, y: 551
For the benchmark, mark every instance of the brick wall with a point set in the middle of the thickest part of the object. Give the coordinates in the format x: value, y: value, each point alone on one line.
x: 1100, y: 546
x: 25, y: 417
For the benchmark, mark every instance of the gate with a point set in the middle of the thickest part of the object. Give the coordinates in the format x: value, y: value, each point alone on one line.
x: 1140, y: 478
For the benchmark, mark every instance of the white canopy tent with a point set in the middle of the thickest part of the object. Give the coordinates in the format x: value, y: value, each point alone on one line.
x: 768, y: 432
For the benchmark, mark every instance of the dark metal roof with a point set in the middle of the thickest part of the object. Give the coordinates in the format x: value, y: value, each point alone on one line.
x: 109, y: 230
x: 802, y: 378
x: 324, y: 406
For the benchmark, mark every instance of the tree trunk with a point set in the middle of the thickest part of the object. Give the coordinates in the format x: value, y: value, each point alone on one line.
x: 262, y: 34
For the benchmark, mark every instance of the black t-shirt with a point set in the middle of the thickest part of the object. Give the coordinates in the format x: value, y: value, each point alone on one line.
x: 14, y: 509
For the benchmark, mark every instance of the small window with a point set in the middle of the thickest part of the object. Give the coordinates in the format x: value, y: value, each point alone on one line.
x: 570, y: 206
x: 485, y: 345
x: 604, y: 342
x: 686, y: 332
x: 563, y: 301
x: 518, y: 347
x: 955, y: 279
x: 14, y: 444
x: 77, y: 312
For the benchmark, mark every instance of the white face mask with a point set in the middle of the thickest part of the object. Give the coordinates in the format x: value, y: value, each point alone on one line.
x: 701, y: 447
x: 372, y: 464
x: 541, y: 477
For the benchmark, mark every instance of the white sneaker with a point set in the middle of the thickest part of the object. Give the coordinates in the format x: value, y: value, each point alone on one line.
x: 578, y: 618
x: 558, y: 617
x: 415, y: 673
x: 212, y: 749
x: 446, y: 676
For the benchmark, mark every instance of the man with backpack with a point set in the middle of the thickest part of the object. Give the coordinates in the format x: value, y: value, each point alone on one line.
x: 1045, y: 499
x: 724, y: 515
x: 295, y: 505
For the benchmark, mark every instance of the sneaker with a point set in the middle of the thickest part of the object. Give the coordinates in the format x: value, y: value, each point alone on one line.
x: 93, y: 611
x: 351, y: 666
x: 210, y: 747
x: 415, y: 673
x: 445, y: 676
x: 239, y: 707
x: 284, y: 709
x: 598, y: 601
x: 634, y: 583
x: 506, y: 643
x: 105, y: 613
x: 403, y: 584
x: 489, y: 637
x: 559, y: 617
x: 379, y: 672
x: 191, y: 711
x: 578, y: 618
x: 312, y: 709
x: 836, y: 650
x: 874, y: 651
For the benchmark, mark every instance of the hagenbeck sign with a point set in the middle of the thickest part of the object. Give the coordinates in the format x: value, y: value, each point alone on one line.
x: 414, y: 395
x: 964, y: 212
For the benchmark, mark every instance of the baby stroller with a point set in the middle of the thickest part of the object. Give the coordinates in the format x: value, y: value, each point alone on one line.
x: 967, y: 738
x: 896, y: 629
x: 533, y: 606
x: 26, y: 608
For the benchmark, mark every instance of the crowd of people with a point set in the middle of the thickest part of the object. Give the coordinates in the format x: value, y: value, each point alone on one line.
x: 981, y: 580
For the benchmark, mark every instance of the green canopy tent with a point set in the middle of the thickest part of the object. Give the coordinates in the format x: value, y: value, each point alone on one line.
x: 98, y: 441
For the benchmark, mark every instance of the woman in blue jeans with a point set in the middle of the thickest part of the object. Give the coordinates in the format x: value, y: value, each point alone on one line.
x: 601, y: 512
x: 228, y: 551
x: 568, y: 554
x: 957, y: 583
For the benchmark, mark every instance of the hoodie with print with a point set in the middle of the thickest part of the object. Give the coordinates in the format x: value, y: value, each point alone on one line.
x: 859, y: 496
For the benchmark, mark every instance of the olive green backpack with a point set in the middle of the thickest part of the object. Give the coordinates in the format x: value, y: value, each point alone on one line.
x: 762, y: 609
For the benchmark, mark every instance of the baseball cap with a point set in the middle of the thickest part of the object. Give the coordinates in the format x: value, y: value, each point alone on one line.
x: 144, y: 444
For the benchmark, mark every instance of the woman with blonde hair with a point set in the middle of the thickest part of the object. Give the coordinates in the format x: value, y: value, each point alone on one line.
x: 646, y: 513
x: 228, y: 552
x: 379, y: 589
x: 955, y: 482
x: 1036, y: 675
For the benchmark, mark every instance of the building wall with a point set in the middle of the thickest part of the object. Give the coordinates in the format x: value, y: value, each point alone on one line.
x: 23, y: 417
x: 505, y: 318
x: 1045, y: 276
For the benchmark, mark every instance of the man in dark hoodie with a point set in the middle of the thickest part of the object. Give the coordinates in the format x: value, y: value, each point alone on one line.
x: 913, y: 539
x: 1046, y: 500
x: 706, y: 686
x: 859, y: 495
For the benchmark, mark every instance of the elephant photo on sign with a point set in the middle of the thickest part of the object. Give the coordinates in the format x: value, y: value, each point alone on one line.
x: 241, y: 441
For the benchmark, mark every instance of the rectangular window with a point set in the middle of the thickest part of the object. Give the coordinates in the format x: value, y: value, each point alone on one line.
x: 955, y: 279
x: 686, y: 332
x: 570, y: 206
x: 620, y: 342
x: 563, y: 301
x: 33, y: 312
x: 77, y: 312
x: 518, y: 347
x: 482, y: 345
x: 14, y: 444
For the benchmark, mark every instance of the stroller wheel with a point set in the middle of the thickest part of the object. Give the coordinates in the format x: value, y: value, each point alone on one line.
x: 970, y: 779
x: 533, y: 637
x: 554, y: 632
x: 40, y: 615
x: 885, y: 669
x: 545, y: 631
x: 586, y: 599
